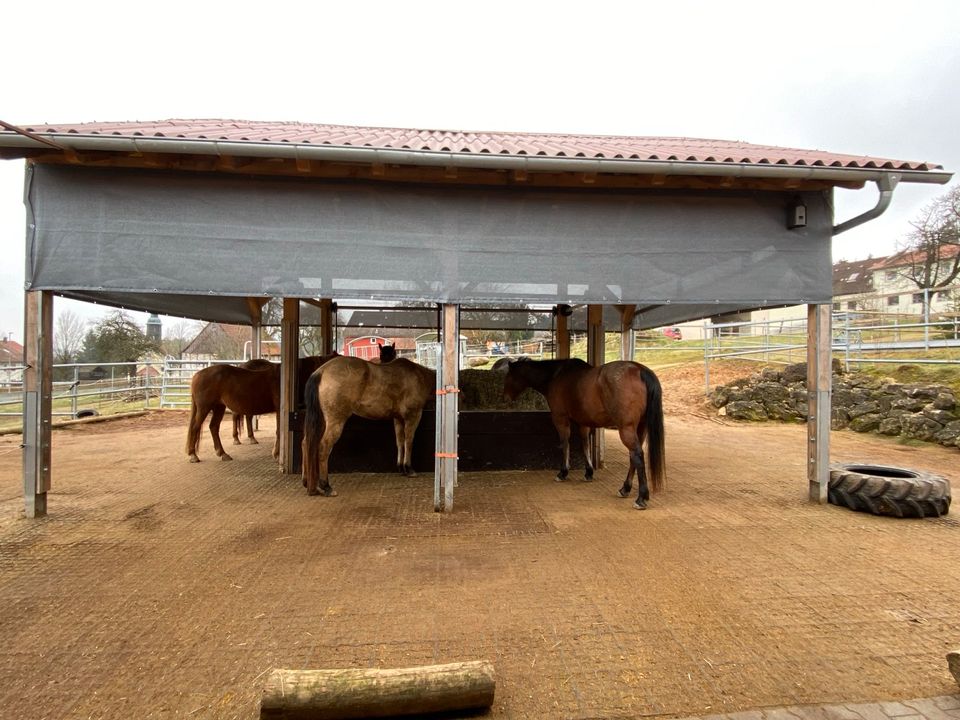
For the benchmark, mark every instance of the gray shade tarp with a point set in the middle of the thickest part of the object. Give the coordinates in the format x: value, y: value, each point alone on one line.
x: 186, y: 237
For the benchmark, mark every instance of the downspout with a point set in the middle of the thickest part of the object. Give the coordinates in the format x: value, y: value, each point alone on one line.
x: 886, y: 184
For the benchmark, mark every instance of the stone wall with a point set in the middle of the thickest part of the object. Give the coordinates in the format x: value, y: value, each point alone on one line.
x: 861, y: 402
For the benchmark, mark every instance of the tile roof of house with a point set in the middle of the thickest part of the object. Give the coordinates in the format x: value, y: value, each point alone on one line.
x: 853, y: 277
x: 11, y: 352
x: 679, y: 149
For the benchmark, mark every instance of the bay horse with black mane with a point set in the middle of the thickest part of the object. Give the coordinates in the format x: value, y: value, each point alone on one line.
x: 623, y: 395
x: 244, y: 391
x: 348, y: 386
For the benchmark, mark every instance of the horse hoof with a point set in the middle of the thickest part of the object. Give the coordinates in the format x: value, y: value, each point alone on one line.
x: 254, y: 441
x: 623, y: 493
x: 237, y: 442
x: 640, y: 506
x: 588, y: 478
x: 560, y: 478
x: 330, y: 493
x: 313, y: 492
x: 410, y: 472
x: 194, y: 458
x: 225, y: 457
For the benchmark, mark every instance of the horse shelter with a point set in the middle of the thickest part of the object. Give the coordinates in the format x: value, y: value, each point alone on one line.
x: 208, y: 219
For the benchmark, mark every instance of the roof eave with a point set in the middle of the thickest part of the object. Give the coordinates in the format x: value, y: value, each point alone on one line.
x: 429, y: 158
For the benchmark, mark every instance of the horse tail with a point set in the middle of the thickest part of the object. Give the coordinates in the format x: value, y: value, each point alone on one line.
x: 313, y: 426
x: 654, y: 425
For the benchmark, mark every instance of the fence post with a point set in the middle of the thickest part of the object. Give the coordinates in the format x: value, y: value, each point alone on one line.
x: 926, y: 318
x: 75, y: 392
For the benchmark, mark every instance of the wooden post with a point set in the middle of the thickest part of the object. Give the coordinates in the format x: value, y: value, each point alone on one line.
x: 37, y: 400
x: 595, y: 356
x: 289, y: 357
x: 361, y: 692
x: 326, y: 326
x: 563, y: 333
x: 447, y: 407
x: 819, y: 377
x: 627, y: 337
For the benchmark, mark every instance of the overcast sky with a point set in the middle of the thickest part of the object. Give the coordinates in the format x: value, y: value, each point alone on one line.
x: 870, y: 78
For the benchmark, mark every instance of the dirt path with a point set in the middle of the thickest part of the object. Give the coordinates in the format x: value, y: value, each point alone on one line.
x: 160, y: 589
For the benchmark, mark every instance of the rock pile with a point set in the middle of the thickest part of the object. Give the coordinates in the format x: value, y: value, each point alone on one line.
x: 861, y: 402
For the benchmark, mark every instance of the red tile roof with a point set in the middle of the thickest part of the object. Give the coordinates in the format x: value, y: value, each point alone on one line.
x: 11, y: 352
x: 495, y: 143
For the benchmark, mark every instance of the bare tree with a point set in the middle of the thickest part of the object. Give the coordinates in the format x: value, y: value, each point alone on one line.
x: 931, y: 253
x: 68, y: 334
x: 178, y: 336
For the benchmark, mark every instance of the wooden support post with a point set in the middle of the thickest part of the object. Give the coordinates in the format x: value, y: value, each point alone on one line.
x: 362, y: 692
x: 627, y: 337
x: 595, y: 356
x: 448, y: 401
x: 819, y: 376
x: 326, y: 326
x: 37, y: 400
x: 563, y: 333
x: 289, y: 357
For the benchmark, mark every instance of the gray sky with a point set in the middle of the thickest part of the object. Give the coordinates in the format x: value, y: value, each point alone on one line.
x: 871, y: 78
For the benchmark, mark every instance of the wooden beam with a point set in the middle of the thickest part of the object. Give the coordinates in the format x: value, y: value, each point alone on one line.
x: 819, y: 378
x: 563, y: 333
x: 289, y: 357
x: 327, y: 340
x: 255, y: 309
x: 627, y: 337
x: 373, y: 692
x: 37, y: 400
x: 596, y: 357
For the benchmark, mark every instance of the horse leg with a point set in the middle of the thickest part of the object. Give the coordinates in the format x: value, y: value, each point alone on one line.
x: 330, y: 436
x: 237, y: 425
x: 276, y: 439
x: 250, y: 437
x: 194, y: 430
x: 634, y: 444
x: 585, y: 444
x: 398, y: 434
x: 563, y: 429
x: 410, y: 423
x: 218, y: 410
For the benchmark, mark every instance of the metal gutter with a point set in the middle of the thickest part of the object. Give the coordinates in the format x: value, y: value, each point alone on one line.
x: 529, y: 163
x: 886, y: 185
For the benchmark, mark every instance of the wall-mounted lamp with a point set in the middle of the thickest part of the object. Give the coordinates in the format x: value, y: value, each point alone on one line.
x: 796, y: 214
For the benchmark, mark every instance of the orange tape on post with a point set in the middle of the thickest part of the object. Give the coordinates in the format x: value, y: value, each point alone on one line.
x: 446, y: 455
x: 447, y: 390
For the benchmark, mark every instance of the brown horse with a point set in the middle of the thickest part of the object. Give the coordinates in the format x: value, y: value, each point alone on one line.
x: 623, y: 395
x: 245, y: 392
x: 255, y: 364
x: 348, y: 386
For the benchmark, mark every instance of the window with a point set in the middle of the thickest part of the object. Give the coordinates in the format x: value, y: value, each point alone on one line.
x: 918, y: 298
x: 836, y: 306
x: 943, y: 295
x: 893, y: 300
x: 891, y: 275
x: 852, y: 305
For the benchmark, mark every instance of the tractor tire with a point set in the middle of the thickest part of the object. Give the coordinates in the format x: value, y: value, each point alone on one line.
x: 890, y: 491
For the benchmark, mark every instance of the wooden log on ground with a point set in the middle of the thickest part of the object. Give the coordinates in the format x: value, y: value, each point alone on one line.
x: 953, y: 662
x: 357, y: 693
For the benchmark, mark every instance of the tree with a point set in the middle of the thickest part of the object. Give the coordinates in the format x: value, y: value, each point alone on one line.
x: 68, y: 334
x: 116, y: 338
x: 177, y: 337
x: 932, y: 248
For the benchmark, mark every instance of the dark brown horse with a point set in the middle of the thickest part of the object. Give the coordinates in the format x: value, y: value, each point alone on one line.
x: 623, y: 395
x: 348, y: 386
x: 245, y: 392
x: 255, y: 364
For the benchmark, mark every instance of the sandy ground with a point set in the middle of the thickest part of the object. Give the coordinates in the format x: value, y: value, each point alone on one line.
x: 159, y: 589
